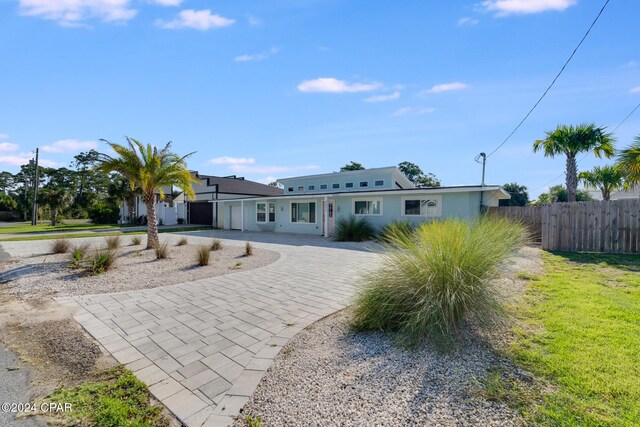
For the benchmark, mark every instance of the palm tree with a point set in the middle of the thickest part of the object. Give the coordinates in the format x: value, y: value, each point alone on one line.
x: 607, y: 179
x: 629, y: 162
x: 149, y: 169
x: 571, y: 141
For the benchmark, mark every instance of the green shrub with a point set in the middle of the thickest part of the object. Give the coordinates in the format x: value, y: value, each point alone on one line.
x: 216, y: 245
x: 180, y: 221
x: 102, y: 261
x: 162, y: 250
x: 113, y: 242
x: 104, y: 213
x: 60, y: 246
x: 203, y: 254
x: 78, y: 252
x: 248, y: 249
x: 136, y: 241
x: 354, y: 229
x: 431, y: 280
x: 396, y: 229
x: 183, y: 241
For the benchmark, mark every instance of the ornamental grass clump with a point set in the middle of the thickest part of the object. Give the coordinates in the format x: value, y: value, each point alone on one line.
x: 60, y: 246
x: 216, y: 245
x: 113, y: 242
x: 102, y: 261
x: 136, y: 241
x: 162, y: 250
x: 396, y: 229
x: 78, y: 253
x: 203, y: 254
x: 434, y: 278
x: 354, y: 229
x: 183, y: 241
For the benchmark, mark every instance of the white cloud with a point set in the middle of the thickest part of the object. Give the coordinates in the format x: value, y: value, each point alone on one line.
x: 226, y: 160
x: 466, y: 21
x: 522, y: 7
x: 69, y: 145
x: 412, y: 111
x: 73, y: 12
x: 446, y: 87
x: 270, y: 169
x: 254, y: 21
x: 635, y: 89
x: 167, y: 2
x: 383, y: 98
x: 202, y: 20
x: 331, y: 85
x: 257, y: 56
x: 8, y: 146
x: 23, y: 159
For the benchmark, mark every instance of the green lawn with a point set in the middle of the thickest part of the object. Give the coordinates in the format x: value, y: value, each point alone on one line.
x: 44, y: 227
x: 582, y: 335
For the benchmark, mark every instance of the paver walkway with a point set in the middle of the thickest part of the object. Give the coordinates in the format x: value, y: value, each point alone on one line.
x: 203, y: 346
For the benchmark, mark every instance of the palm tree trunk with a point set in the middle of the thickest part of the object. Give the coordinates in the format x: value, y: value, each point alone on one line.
x: 152, y: 227
x: 54, y: 217
x: 572, y: 177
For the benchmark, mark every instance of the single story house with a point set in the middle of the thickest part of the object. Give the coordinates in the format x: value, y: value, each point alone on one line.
x: 201, y: 210
x: 312, y: 204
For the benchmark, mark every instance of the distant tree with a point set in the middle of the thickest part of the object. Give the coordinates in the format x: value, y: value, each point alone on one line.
x: 607, y: 179
x: 273, y: 183
x: 119, y: 191
x: 415, y: 174
x: 352, y: 166
x: 56, y: 193
x: 6, y: 181
x: 519, y: 195
x: 558, y: 194
x: 628, y: 161
x: 150, y: 169
x: 7, y: 202
x: 571, y: 141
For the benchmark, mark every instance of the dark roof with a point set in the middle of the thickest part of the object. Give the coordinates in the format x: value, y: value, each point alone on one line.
x: 234, y: 185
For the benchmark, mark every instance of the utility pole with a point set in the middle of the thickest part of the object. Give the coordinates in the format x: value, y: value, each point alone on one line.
x: 34, y: 216
x: 482, y: 156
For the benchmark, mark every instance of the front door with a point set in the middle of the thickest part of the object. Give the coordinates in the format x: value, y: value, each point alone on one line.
x: 324, y: 220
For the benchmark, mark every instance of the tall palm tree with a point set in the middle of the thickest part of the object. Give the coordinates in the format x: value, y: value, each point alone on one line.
x: 607, y: 179
x: 149, y: 169
x: 629, y: 162
x: 571, y: 141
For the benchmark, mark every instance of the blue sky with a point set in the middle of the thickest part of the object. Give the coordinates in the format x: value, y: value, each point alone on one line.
x: 267, y: 89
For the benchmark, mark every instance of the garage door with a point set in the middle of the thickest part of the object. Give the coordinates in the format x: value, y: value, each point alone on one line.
x: 201, y: 213
x: 236, y: 218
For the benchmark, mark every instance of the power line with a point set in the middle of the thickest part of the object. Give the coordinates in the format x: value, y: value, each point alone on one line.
x: 552, y: 82
x: 625, y: 119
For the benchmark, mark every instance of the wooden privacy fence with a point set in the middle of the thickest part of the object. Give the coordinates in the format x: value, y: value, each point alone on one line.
x: 530, y: 216
x: 601, y: 226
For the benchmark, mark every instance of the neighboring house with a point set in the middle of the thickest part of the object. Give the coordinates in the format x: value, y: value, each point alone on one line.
x: 633, y: 193
x: 312, y: 204
x: 204, y: 209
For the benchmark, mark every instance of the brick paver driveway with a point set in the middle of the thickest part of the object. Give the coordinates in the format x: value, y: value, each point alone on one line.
x: 203, y: 346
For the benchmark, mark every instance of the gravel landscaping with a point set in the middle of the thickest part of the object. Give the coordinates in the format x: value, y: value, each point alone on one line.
x: 33, y: 272
x: 328, y: 375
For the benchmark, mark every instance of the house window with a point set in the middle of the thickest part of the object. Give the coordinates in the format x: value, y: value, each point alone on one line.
x: 364, y: 184
x: 290, y: 189
x: 422, y: 207
x: 323, y: 186
x: 379, y: 183
x: 303, y: 213
x: 311, y: 187
x: 367, y: 207
x: 349, y: 185
x: 336, y: 185
x: 265, y: 212
x: 301, y: 188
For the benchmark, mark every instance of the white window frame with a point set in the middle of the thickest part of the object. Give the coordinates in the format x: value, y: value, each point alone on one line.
x: 315, y: 212
x: 367, y: 199
x: 423, y: 212
x: 266, y: 213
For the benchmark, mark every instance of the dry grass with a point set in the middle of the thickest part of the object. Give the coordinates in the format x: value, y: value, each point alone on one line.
x: 136, y: 241
x: 60, y: 246
x: 216, y: 245
x: 113, y: 242
x: 162, y: 250
x: 203, y: 254
x: 248, y: 249
x: 183, y: 241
